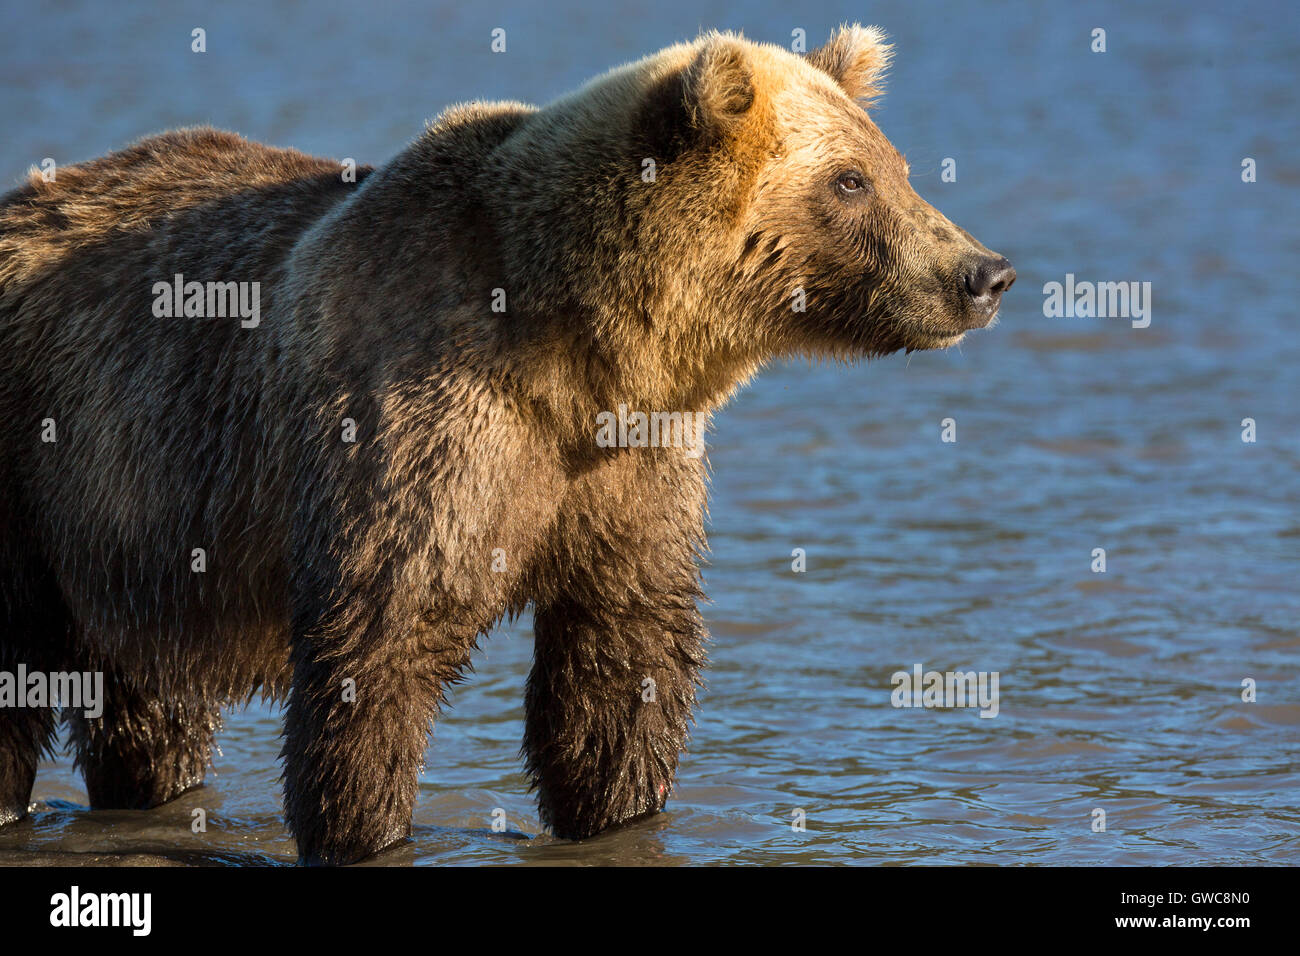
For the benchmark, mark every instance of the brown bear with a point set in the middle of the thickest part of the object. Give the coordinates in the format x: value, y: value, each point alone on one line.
x: 270, y: 429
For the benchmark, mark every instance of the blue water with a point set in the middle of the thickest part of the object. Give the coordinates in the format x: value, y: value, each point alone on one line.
x: 1119, y: 691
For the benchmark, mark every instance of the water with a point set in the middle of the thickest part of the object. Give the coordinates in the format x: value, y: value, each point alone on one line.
x: 1119, y: 691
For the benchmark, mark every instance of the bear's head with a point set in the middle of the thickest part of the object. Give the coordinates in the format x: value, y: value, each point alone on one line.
x: 816, y: 232
x: 727, y: 202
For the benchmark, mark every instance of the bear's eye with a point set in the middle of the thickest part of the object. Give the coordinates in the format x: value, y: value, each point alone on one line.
x: 851, y: 183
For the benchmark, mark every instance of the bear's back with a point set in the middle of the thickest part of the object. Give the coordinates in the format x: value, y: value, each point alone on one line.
x: 134, y: 190
x: 160, y: 419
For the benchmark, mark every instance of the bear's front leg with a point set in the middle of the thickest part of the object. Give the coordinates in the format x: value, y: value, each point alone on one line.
x: 609, y: 700
x: 363, y: 697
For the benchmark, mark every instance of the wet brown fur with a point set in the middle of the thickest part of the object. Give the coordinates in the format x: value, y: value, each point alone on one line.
x: 372, y: 562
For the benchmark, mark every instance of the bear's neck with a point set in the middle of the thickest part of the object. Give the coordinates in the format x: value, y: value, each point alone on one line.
x: 609, y: 296
x: 509, y: 282
x: 587, y: 374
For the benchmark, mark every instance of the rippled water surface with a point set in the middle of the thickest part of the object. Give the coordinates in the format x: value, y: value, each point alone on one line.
x: 1119, y: 691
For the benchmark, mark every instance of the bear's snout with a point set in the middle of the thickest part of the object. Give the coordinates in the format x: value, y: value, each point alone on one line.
x: 984, y: 282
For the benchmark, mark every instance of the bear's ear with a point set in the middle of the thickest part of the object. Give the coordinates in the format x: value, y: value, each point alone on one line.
x: 856, y: 58
x: 708, y: 100
x: 718, y: 86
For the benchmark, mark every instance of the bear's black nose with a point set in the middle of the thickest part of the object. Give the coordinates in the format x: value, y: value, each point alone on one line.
x: 986, y: 282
